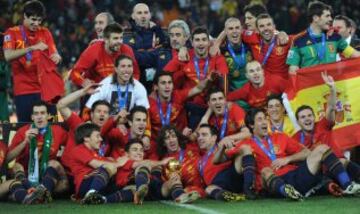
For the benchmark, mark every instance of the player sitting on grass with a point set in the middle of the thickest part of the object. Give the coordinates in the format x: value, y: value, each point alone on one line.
x: 140, y: 178
x: 227, y: 179
x: 91, y: 171
x: 287, y: 167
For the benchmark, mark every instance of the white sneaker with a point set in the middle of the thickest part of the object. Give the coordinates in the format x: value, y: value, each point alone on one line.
x: 352, y: 189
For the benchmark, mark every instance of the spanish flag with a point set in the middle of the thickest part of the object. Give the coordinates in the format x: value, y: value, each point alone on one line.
x: 308, y: 88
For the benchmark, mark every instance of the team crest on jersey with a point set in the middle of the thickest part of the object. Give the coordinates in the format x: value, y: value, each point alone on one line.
x: 279, y: 51
x: 162, y: 56
x: 331, y: 48
x: 7, y: 38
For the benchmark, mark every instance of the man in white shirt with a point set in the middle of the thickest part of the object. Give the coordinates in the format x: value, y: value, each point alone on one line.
x: 121, y: 90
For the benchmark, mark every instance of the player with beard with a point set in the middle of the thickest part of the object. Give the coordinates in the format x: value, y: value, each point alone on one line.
x: 97, y: 61
x: 259, y: 87
x: 313, y: 46
x: 35, y: 146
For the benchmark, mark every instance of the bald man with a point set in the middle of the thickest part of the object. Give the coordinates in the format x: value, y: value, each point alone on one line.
x: 101, y: 21
x: 144, y: 33
x: 144, y: 36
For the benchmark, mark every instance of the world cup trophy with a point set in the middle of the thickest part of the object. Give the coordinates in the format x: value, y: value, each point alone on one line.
x: 172, y: 167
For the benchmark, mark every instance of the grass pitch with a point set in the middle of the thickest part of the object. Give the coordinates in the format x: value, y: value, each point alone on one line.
x: 314, y: 205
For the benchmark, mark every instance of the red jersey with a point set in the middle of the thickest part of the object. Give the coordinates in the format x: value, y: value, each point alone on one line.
x: 208, y: 170
x: 276, y: 63
x: 176, y: 67
x: 125, y: 174
x: 25, y: 75
x: 256, y: 97
x: 115, y: 137
x: 321, y: 135
x: 72, y: 122
x: 188, y: 159
x: 283, y: 146
x: 96, y: 64
x: 236, y: 116
x: 177, y: 117
x: 79, y: 164
x: 59, y: 138
x: 3, y: 151
x: 190, y: 79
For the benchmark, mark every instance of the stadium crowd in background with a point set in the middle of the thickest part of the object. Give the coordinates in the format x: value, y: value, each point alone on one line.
x: 184, y: 100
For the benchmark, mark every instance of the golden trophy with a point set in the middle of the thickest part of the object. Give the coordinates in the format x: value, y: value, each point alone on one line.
x: 173, y: 166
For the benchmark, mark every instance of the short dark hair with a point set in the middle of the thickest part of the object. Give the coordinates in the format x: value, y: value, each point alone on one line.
x: 346, y: 20
x: 213, y: 90
x: 85, y: 130
x: 213, y: 130
x: 34, y: 8
x: 263, y: 16
x: 112, y: 28
x: 40, y: 103
x: 136, y: 109
x: 160, y: 74
x: 274, y: 97
x: 316, y: 8
x: 301, y: 108
x: 255, y: 9
x: 132, y: 142
x: 199, y: 30
x: 160, y: 141
x: 98, y: 103
x: 250, y: 117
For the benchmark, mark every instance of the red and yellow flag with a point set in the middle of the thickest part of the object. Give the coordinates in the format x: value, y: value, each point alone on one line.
x: 308, y: 88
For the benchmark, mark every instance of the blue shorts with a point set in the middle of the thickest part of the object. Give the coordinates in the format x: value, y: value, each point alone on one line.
x: 229, y: 180
x: 301, y: 178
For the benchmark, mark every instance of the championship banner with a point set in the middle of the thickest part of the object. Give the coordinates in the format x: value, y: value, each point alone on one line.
x: 308, y: 88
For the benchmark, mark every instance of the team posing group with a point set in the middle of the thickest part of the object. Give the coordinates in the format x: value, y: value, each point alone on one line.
x: 177, y: 116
